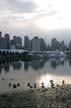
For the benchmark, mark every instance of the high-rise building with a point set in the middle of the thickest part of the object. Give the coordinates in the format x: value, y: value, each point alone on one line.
x: 42, y: 45
x: 12, y: 46
x: 70, y: 45
x: 0, y: 38
x: 17, y: 42
x: 36, y: 44
x: 55, y: 44
x: 27, y: 43
x: 3, y: 43
x: 63, y: 47
x: 7, y: 41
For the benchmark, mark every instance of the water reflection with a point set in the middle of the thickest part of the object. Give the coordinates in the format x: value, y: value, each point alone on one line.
x: 35, y: 64
x: 0, y: 68
x: 6, y: 67
x: 26, y: 65
x: 70, y: 62
x: 56, y: 61
x: 16, y: 65
x: 36, y: 71
x: 45, y: 79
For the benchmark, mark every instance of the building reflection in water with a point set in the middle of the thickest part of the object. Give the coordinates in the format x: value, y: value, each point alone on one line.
x: 35, y: 64
x: 36, y: 71
x: 16, y: 65
x: 26, y: 65
x: 6, y: 67
x: 70, y: 62
x: 0, y: 68
x: 56, y: 61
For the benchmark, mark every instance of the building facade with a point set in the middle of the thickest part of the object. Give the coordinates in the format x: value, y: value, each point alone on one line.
x: 35, y: 44
x: 0, y: 38
x: 17, y: 42
x: 7, y: 41
x: 27, y: 43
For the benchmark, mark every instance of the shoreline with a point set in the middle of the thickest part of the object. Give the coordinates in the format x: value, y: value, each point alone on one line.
x: 57, y: 97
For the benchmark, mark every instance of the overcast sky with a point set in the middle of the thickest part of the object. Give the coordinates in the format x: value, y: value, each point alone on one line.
x: 34, y: 17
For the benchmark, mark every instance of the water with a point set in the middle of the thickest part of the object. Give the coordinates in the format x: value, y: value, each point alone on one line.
x: 34, y: 71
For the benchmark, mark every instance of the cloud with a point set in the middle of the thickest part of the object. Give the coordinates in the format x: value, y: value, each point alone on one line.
x: 17, y: 6
x: 30, y: 17
x: 30, y: 30
x: 49, y: 5
x: 42, y: 15
x: 52, y: 13
x: 20, y: 11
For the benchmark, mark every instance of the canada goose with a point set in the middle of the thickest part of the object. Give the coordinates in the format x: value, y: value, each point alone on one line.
x: 18, y: 84
x: 14, y: 86
x: 10, y: 84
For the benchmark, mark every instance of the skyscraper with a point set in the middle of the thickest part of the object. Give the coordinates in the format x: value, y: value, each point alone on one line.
x: 3, y: 44
x: 7, y: 41
x: 27, y: 43
x: 17, y: 42
x: 55, y: 44
x: 0, y: 38
x: 42, y: 44
x: 63, y: 47
x: 36, y: 44
x: 70, y: 45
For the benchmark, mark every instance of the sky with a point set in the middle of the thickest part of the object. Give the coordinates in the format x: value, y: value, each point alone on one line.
x: 36, y: 17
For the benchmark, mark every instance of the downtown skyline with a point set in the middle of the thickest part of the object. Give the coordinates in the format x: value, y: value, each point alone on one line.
x: 34, y: 44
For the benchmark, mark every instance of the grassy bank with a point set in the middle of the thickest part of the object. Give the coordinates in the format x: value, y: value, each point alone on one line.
x: 57, y: 97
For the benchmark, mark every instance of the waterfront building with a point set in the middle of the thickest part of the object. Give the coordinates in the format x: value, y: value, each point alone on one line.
x: 27, y: 43
x: 12, y: 46
x: 54, y: 44
x: 17, y: 42
x: 63, y: 47
x: 42, y: 45
x: 3, y: 45
x: 7, y: 41
x: 70, y: 46
x: 0, y: 38
x: 36, y: 44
